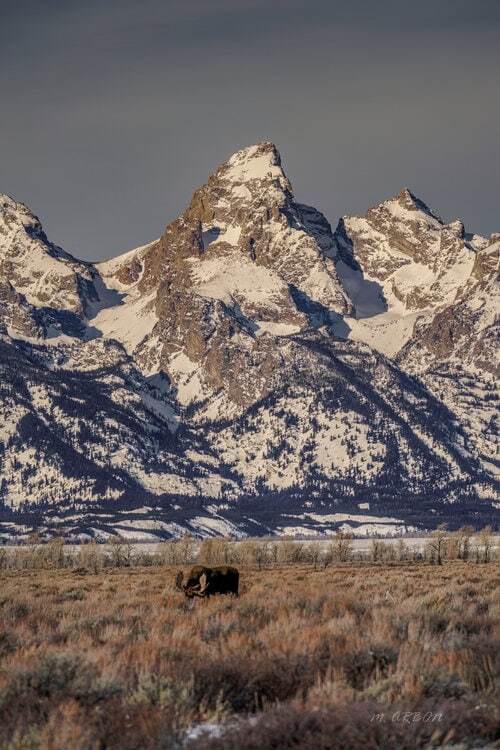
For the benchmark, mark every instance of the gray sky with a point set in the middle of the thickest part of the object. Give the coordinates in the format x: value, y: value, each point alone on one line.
x: 112, y: 113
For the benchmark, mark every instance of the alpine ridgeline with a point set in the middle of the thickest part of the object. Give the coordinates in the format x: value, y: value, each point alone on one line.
x: 251, y: 371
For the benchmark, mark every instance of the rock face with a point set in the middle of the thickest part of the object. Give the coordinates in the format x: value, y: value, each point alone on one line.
x: 418, y: 261
x: 465, y: 331
x: 243, y: 261
x: 250, y: 370
x: 45, y: 275
x: 426, y: 293
x: 16, y: 313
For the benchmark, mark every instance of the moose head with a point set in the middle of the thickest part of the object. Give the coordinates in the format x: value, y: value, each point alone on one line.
x: 204, y: 582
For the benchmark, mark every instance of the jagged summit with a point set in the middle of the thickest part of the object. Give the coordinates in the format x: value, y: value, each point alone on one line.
x: 9, y: 205
x: 43, y: 279
x: 431, y: 284
x: 410, y: 202
x: 263, y: 156
x: 245, y: 257
x: 261, y: 161
x: 418, y: 260
x: 457, y: 228
x: 16, y: 216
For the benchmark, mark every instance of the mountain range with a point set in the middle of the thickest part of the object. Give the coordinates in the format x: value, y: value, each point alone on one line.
x: 252, y: 371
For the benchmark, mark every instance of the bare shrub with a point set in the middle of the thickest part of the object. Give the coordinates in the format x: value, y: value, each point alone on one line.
x: 314, y: 554
x: 485, y: 543
x: 437, y: 545
x: 273, y: 552
x: 252, y: 552
x: 466, y: 533
x: 119, y: 551
x: 215, y: 551
x: 177, y: 551
x: 291, y: 551
x: 187, y: 549
x: 306, y: 727
x: 377, y: 550
x: 90, y: 557
x: 340, y: 549
x: 402, y: 551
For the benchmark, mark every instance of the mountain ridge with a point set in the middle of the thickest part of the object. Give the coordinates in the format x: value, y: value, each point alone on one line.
x: 196, y: 359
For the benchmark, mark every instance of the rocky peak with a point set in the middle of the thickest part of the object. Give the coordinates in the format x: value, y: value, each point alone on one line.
x: 418, y: 260
x: 247, y: 191
x: 39, y: 272
x: 247, y: 206
x: 456, y: 228
x: 15, y: 216
x: 244, y: 259
x: 404, y: 208
x: 417, y: 264
x: 259, y: 162
x: 486, y: 265
x: 407, y: 200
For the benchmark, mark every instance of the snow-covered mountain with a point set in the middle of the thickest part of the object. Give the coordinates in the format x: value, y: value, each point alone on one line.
x: 250, y: 370
x: 426, y: 294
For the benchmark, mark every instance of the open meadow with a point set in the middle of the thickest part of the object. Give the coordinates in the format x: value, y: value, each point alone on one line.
x: 316, y: 655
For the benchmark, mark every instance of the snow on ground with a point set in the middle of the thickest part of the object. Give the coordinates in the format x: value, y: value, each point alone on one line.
x: 362, y: 525
x: 331, y: 446
x: 231, y: 278
x: 201, y: 458
x: 387, y: 332
x: 129, y: 322
x: 381, y: 320
x: 187, y: 378
x: 366, y: 294
x: 229, y: 234
x: 109, y: 268
x: 213, y: 526
x: 248, y: 164
x: 157, y: 482
x: 204, y: 730
x: 254, y: 456
x: 337, y: 517
x: 161, y: 409
x: 276, y: 329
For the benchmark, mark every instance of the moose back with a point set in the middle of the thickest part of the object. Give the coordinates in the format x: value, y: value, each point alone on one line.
x: 203, y: 581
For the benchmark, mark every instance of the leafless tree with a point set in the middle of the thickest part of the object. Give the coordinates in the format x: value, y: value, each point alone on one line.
x: 121, y: 551
x: 314, y: 553
x: 486, y: 542
x: 438, y: 541
x: 341, y: 547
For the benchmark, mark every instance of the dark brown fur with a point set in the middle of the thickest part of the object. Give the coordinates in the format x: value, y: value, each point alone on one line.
x: 203, y: 581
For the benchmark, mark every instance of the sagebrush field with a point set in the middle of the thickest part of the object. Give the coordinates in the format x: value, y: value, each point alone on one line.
x: 357, y: 655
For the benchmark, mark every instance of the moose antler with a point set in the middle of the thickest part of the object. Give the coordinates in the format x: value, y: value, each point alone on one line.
x: 203, y: 586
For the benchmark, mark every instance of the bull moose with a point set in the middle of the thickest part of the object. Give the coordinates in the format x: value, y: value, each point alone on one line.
x: 203, y: 581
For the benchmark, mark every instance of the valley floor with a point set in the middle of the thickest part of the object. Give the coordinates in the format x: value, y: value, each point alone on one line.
x: 359, y: 655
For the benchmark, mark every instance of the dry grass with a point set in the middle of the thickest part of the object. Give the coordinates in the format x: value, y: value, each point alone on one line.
x: 303, y: 659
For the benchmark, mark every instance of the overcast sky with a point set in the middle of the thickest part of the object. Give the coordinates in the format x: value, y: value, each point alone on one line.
x: 113, y: 112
